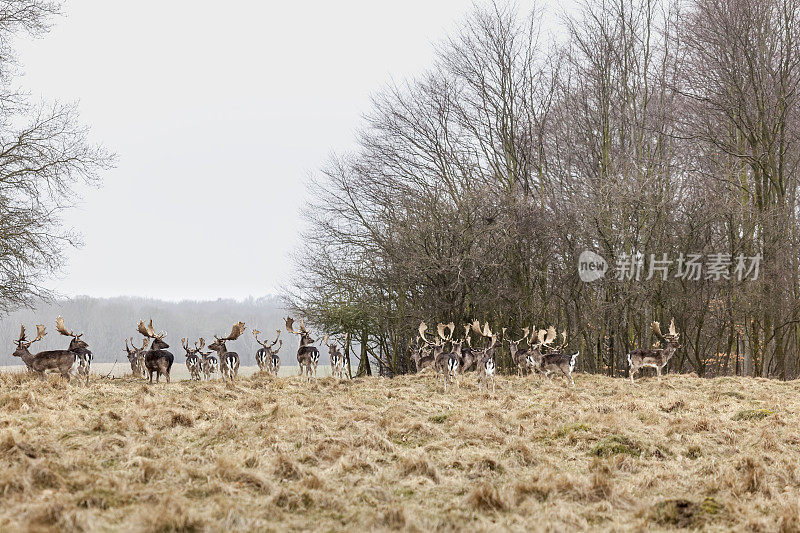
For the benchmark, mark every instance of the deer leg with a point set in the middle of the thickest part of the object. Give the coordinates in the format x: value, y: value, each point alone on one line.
x: 658, y: 373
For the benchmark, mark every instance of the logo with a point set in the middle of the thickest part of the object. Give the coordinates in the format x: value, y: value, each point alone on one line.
x: 591, y: 266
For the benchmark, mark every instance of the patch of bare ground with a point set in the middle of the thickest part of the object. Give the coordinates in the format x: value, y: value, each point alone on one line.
x: 380, y: 454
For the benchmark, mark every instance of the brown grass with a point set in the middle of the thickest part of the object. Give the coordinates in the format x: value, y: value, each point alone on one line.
x: 379, y: 454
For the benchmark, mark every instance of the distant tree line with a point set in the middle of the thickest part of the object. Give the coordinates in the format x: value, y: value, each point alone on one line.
x: 652, y: 127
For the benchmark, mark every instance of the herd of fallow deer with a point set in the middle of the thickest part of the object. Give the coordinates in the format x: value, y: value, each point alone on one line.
x: 538, y: 355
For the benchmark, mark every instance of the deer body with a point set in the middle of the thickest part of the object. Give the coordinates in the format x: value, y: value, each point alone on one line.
x: 58, y: 360
x: 209, y: 364
x: 307, y: 355
x: 158, y: 360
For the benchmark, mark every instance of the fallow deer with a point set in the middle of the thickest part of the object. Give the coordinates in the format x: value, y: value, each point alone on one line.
x: 421, y: 355
x: 307, y: 355
x: 193, y: 363
x: 209, y: 364
x: 558, y: 361
x: 157, y: 359
x: 136, y: 357
x: 655, y: 357
x: 337, y: 361
x: 59, y: 360
x: 485, y: 358
x: 448, y: 364
x: 266, y: 357
x: 439, y: 359
x: 518, y: 355
x: 229, y: 361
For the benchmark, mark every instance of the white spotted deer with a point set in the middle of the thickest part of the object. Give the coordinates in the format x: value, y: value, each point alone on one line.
x: 228, y: 361
x: 193, y: 362
x: 337, y: 361
x: 655, y: 357
x: 266, y: 357
x: 307, y: 355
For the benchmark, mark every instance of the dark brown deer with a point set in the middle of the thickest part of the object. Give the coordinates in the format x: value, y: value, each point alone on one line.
x: 193, y: 363
x: 157, y: 359
x: 307, y: 355
x: 266, y: 357
x: 229, y: 361
x: 655, y: 357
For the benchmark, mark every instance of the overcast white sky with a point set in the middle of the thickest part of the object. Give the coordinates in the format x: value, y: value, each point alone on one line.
x: 218, y: 112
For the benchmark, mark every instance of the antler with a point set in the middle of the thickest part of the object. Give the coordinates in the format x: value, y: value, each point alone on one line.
x: 40, y: 333
x: 256, y: 333
x: 551, y: 336
x: 202, y: 344
x: 657, y: 330
x: 303, y: 326
x: 325, y: 340
x: 185, y: 344
x: 278, y: 336
x: 440, y: 330
x: 672, y: 331
x: 278, y: 349
x: 63, y: 330
x: 476, y: 326
x: 289, y: 324
x: 527, y: 331
x: 236, y: 331
x: 423, y: 327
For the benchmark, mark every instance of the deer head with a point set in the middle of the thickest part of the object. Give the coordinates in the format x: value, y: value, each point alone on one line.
x: 76, y: 343
x: 149, y: 332
x: 304, y: 334
x: 671, y: 338
x: 266, y: 344
x: 219, y: 342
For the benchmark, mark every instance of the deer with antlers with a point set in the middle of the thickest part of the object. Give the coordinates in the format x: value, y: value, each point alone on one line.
x: 307, y: 355
x: 485, y: 358
x: 421, y: 355
x: 193, y: 363
x: 266, y: 358
x: 556, y: 360
x: 655, y: 357
x: 447, y: 363
x: 518, y: 355
x: 438, y: 357
x: 229, y: 361
x: 43, y: 361
x: 157, y: 359
x: 335, y: 355
x: 136, y: 357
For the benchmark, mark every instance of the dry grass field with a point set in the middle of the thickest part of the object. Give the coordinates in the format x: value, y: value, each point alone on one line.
x: 380, y: 454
